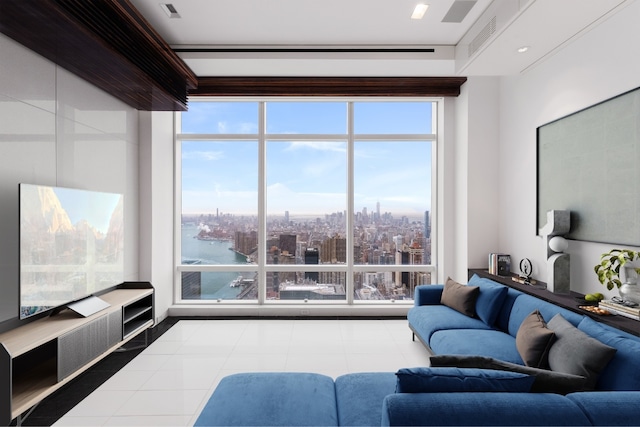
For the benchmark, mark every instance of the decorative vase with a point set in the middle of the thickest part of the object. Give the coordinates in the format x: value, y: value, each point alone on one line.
x: 630, y: 291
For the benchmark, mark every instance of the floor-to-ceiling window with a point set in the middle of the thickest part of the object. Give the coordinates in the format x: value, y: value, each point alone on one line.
x: 314, y: 200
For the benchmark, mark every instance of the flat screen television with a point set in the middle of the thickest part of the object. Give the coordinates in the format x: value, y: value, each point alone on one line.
x: 71, y: 245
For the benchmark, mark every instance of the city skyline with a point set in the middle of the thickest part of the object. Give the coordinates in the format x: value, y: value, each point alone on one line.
x: 307, y: 178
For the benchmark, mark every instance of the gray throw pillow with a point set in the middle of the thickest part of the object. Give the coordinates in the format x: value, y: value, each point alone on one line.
x: 575, y: 352
x: 545, y: 381
x: 459, y: 297
x: 534, y: 340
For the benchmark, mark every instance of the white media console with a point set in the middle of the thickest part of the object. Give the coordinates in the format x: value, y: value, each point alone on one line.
x: 43, y: 355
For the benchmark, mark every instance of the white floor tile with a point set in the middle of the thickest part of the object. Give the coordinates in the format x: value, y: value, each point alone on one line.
x: 180, y: 420
x: 171, y: 380
x: 162, y: 402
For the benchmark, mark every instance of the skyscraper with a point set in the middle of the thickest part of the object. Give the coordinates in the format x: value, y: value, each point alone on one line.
x: 311, y: 256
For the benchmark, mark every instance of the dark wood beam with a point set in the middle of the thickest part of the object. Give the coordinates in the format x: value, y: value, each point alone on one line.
x: 328, y: 86
x: 106, y: 42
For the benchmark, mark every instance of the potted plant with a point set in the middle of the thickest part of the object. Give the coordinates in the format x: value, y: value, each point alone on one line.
x: 608, y: 270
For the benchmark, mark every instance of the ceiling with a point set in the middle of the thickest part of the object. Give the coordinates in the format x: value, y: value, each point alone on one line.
x: 370, y: 38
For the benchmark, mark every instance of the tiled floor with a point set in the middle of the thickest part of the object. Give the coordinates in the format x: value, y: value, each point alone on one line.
x: 169, y: 382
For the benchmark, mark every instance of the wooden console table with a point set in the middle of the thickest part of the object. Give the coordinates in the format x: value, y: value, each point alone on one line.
x: 567, y: 301
x: 41, y: 356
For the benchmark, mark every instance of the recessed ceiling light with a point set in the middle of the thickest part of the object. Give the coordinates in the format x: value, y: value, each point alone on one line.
x: 170, y: 10
x: 523, y: 49
x: 419, y: 11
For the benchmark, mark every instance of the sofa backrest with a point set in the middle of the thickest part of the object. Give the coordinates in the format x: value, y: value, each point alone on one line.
x: 525, y: 304
x: 622, y: 372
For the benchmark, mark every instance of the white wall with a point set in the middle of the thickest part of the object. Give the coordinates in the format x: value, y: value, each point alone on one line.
x: 156, y: 206
x: 601, y: 64
x: 56, y: 129
x: 476, y: 171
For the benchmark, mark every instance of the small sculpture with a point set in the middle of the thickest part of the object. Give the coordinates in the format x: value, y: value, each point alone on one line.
x: 558, y: 265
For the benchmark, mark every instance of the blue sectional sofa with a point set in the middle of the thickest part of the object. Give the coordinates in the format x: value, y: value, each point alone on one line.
x: 484, y: 371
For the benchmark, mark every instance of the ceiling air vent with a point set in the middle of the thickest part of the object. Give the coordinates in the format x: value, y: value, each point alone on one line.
x: 170, y: 10
x: 484, y: 34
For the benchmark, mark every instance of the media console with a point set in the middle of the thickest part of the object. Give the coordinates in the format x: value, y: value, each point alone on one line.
x: 40, y: 357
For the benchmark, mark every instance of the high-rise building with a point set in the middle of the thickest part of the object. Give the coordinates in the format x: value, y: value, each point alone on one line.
x: 427, y: 225
x: 334, y: 250
x: 311, y: 256
x: 287, y: 244
x: 191, y: 281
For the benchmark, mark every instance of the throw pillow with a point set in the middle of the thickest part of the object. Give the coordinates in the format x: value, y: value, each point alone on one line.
x: 443, y: 380
x: 534, y: 340
x: 490, y: 298
x: 575, y: 352
x: 545, y: 381
x: 459, y: 297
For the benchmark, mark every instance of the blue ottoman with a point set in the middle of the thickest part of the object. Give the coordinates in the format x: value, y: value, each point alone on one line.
x: 272, y: 399
x: 360, y: 396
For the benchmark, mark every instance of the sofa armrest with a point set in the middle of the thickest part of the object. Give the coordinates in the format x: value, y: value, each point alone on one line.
x: 428, y: 294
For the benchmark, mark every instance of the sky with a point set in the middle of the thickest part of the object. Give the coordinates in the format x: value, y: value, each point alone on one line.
x: 94, y: 207
x: 306, y: 177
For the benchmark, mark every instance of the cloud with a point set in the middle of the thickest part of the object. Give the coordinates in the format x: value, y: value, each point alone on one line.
x: 336, y: 146
x: 203, y: 155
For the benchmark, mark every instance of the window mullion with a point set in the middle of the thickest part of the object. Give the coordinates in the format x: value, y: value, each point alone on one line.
x: 262, y: 207
x: 350, y: 207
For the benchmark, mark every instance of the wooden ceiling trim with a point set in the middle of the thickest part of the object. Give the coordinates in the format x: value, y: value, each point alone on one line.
x: 328, y: 86
x: 106, y: 42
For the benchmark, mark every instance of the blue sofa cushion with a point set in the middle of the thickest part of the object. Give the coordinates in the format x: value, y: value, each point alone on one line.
x: 534, y: 340
x: 443, y: 380
x: 272, y: 399
x: 427, y: 319
x: 575, y: 352
x: 490, y: 298
x: 545, y: 381
x: 459, y: 297
x: 609, y: 409
x: 490, y: 343
x: 616, y: 375
x: 359, y: 397
x: 525, y: 304
x: 481, y: 409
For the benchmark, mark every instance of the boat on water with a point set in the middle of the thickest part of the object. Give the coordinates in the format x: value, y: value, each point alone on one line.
x: 236, y: 282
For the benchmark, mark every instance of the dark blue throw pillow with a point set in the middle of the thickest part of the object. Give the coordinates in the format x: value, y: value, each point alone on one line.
x: 490, y: 298
x: 428, y: 380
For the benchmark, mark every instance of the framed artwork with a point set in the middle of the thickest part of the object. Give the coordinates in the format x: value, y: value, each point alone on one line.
x: 589, y: 163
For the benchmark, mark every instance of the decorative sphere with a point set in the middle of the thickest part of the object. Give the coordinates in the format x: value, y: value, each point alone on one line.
x: 558, y: 244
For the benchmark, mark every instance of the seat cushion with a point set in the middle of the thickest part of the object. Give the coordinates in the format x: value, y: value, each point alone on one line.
x: 359, y: 397
x: 609, y: 409
x: 272, y: 399
x: 489, y: 343
x: 481, y: 409
x: 427, y: 319
x: 447, y: 380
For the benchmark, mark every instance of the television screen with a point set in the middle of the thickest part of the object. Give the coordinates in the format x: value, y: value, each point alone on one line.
x: 71, y: 245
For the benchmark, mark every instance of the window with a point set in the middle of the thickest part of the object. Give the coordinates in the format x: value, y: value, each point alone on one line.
x: 305, y: 200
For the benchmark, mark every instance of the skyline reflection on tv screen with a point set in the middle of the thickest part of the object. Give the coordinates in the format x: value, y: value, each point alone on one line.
x: 71, y: 245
